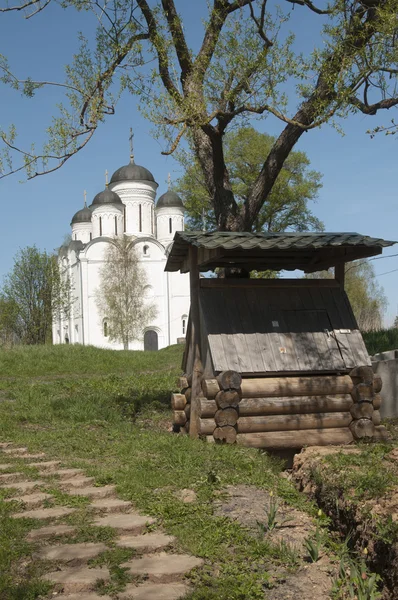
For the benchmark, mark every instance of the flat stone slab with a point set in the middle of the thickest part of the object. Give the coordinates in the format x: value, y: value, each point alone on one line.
x: 163, y: 565
x: 66, y: 473
x: 31, y: 500
x: 111, y: 504
x: 23, y: 486
x: 72, y: 552
x: 154, y: 591
x: 45, y: 513
x: 77, y: 579
x: 124, y: 522
x: 32, y: 456
x: 9, y: 476
x: 94, y: 492
x: 51, y: 531
x: 8, y: 450
x: 47, y: 464
x: 83, y: 596
x: 77, y: 481
x: 5, y: 445
x: 150, y: 541
x: 4, y: 467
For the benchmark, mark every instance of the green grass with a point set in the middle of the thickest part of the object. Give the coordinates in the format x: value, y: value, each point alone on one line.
x: 103, y: 411
x: 381, y: 341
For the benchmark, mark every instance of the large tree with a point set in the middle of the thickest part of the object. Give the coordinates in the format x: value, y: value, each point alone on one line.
x: 247, y: 64
x: 33, y: 294
x: 286, y: 207
x: 366, y: 296
x: 121, y: 296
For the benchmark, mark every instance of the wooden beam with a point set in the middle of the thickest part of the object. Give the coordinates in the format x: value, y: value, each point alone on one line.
x: 215, y: 282
x: 339, y: 274
x: 195, y: 336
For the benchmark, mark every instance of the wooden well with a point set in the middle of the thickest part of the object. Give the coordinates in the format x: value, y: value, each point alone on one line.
x: 274, y: 363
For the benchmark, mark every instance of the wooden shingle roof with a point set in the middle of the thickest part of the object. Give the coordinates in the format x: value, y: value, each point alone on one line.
x: 310, y: 251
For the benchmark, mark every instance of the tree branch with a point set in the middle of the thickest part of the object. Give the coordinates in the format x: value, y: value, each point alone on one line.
x: 160, y: 49
x: 175, y: 26
x: 311, y: 6
x: 36, y: 3
x: 371, y: 109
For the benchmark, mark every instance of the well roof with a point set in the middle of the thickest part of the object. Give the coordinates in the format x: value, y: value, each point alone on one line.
x: 309, y: 251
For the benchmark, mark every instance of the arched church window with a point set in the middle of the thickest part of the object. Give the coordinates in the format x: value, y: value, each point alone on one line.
x: 140, y: 216
x: 170, y: 226
x: 115, y: 225
x: 124, y: 219
x: 184, y: 324
x: 91, y: 236
x: 105, y: 329
x: 100, y: 225
x: 145, y: 250
x: 75, y: 236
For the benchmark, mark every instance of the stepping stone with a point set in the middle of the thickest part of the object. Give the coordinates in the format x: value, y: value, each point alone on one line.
x: 66, y: 473
x: 150, y: 541
x: 47, y: 464
x: 111, y: 505
x: 158, y: 566
x: 4, y: 467
x: 32, y: 456
x: 94, y: 492
x: 45, y: 513
x: 84, y: 596
x: 14, y: 450
x: 124, y: 522
x: 77, y: 579
x: 52, y: 530
x: 153, y: 591
x: 23, y: 486
x: 31, y: 500
x: 9, y: 476
x: 77, y: 481
x: 71, y: 553
x: 4, y: 445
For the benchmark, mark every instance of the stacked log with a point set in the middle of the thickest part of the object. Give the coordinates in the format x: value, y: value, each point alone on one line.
x: 219, y: 409
x: 367, y: 400
x: 180, y: 404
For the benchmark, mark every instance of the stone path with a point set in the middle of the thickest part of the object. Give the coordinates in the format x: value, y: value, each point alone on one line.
x: 159, y: 572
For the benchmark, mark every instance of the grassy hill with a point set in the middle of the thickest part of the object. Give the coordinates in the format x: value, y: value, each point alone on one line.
x: 108, y: 412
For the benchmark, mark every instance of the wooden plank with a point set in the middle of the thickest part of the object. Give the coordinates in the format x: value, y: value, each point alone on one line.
x: 296, y: 439
x: 293, y: 422
x: 337, y: 323
x: 249, y: 326
x: 234, y: 315
x: 263, y: 342
x: 296, y: 386
x: 214, y: 282
x: 359, y: 355
x: 292, y: 405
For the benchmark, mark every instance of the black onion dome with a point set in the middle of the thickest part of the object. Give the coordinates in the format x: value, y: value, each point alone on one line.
x: 132, y: 172
x: 106, y: 197
x: 170, y: 199
x: 82, y: 216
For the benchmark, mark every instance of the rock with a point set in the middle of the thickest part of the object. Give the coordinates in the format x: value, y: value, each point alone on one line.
x: 77, y: 579
x: 94, y: 492
x: 162, y: 566
x: 31, y: 500
x: 71, y: 553
x: 124, y: 522
x: 187, y: 496
x: 154, y: 591
x: 23, y: 486
x: 45, y: 513
x: 111, y: 505
x: 150, y: 541
x: 50, y: 531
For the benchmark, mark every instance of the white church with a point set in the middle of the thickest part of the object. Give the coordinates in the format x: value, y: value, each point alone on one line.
x: 125, y: 206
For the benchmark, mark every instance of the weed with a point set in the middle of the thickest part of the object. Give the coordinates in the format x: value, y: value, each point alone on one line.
x: 271, y: 513
x: 355, y: 581
x: 313, y: 545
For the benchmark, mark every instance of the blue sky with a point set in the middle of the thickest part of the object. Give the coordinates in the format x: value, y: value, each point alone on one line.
x: 359, y: 173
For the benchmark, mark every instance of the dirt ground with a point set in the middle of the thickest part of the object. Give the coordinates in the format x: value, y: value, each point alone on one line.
x: 248, y: 505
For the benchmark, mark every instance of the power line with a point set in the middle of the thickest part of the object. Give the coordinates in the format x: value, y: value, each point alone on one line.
x: 387, y: 272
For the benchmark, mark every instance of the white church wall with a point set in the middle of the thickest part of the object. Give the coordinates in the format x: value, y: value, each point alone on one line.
x: 168, y: 221
x: 107, y: 220
x: 82, y: 232
x: 136, y: 194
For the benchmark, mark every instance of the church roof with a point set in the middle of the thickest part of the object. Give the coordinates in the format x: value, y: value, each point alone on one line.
x: 169, y: 199
x: 106, y: 197
x: 82, y: 216
x: 132, y: 172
